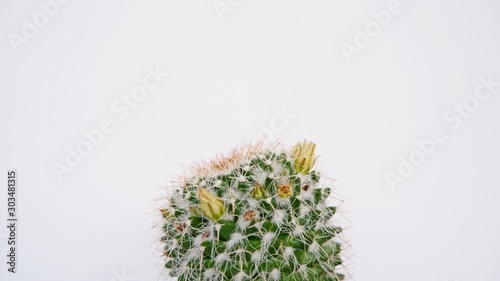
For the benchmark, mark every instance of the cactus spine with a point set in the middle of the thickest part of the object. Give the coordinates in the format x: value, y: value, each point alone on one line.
x: 258, y: 214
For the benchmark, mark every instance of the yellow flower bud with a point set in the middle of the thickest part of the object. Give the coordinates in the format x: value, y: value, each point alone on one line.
x: 304, y: 157
x: 284, y: 191
x: 258, y: 192
x: 165, y: 213
x: 211, y: 205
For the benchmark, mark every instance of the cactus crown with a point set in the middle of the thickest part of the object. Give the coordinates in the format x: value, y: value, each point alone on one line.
x: 258, y: 214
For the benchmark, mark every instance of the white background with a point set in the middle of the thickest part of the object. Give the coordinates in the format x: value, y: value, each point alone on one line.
x: 227, y: 77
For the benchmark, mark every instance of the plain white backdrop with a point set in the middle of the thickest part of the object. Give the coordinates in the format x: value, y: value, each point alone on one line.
x: 232, y: 65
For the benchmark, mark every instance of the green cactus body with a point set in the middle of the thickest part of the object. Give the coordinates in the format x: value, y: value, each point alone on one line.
x: 255, y: 215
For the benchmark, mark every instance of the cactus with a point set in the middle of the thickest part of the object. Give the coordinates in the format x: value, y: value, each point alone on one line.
x: 257, y: 214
